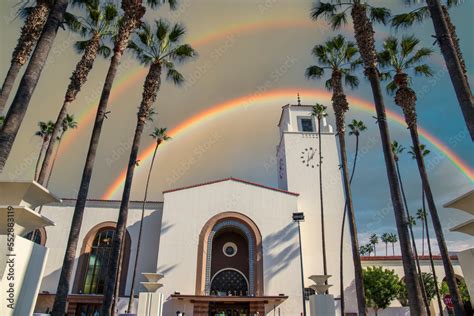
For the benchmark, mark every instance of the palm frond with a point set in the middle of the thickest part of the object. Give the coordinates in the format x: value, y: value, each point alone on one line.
x: 338, y: 19
x: 162, y: 28
x: 314, y: 72
x: 419, y: 56
x: 391, y: 87
x: 110, y: 12
x: 405, y: 20
x: 324, y: 9
x: 407, y: 44
x: 176, y: 33
x: 175, y: 76
x: 351, y: 81
x: 73, y: 24
x: 423, y: 70
x: 183, y: 52
x: 156, y: 3
x: 379, y: 14
x: 328, y: 84
x: 80, y: 46
x: 104, y: 51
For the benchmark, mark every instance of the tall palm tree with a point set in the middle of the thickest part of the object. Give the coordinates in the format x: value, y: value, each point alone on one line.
x: 68, y: 123
x: 397, y: 149
x: 319, y: 111
x: 448, y: 42
x: 44, y: 132
x: 398, y: 59
x: 133, y: 11
x: 426, y: 152
x: 30, y: 78
x: 160, y: 136
x: 159, y: 48
x: 363, y: 16
x: 30, y: 32
x: 339, y: 57
x: 97, y: 24
x: 374, y: 240
x: 420, y: 215
x: 385, y: 238
x: 393, y: 239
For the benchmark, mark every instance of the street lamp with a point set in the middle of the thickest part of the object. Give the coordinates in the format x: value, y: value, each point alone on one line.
x: 299, y: 217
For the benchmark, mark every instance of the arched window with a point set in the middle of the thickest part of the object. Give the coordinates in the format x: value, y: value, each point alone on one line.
x: 229, y: 281
x: 38, y: 235
x: 95, y: 259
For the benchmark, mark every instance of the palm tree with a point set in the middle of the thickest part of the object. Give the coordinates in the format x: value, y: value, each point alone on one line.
x: 420, y: 215
x: 30, y: 78
x: 133, y: 11
x: 385, y: 238
x: 398, y: 59
x: 448, y: 42
x: 363, y: 250
x: 44, y: 131
x: 374, y: 240
x: 159, y: 134
x: 369, y: 248
x: 68, y: 123
x: 340, y: 58
x: 319, y: 111
x: 30, y: 32
x: 426, y: 152
x: 159, y: 48
x: 397, y: 149
x: 363, y: 16
x: 393, y: 239
x: 97, y: 24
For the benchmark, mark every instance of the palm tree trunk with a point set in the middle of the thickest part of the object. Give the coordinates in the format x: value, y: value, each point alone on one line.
x: 321, y: 200
x: 121, y: 222
x: 386, y: 249
x: 135, y: 265
x: 341, y: 247
x: 30, y: 78
x: 43, y: 145
x: 458, y: 79
x: 8, y: 83
x: 365, y: 41
x: 393, y: 249
x: 422, y: 239
x: 364, y: 35
x: 420, y: 279
x: 78, y: 78
x: 359, y: 284
x: 425, y: 224
x: 54, y: 159
x: 448, y: 268
x: 118, y: 275
x: 30, y: 33
x: 59, y: 307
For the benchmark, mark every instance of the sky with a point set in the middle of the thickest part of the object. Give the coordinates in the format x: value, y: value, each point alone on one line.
x: 252, y: 58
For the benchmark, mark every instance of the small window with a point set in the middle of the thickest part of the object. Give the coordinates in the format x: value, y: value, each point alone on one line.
x: 306, y: 125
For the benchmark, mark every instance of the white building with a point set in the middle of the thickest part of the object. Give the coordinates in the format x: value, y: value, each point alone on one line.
x: 226, y: 245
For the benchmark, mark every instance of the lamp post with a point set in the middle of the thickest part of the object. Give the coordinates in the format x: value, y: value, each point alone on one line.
x: 299, y: 217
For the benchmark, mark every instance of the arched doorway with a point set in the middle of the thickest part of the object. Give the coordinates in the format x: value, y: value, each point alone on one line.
x: 221, y: 236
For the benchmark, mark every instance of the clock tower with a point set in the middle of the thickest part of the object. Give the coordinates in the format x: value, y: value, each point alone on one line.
x: 298, y: 171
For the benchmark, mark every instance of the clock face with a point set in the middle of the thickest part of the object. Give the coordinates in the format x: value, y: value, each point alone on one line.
x: 308, y: 157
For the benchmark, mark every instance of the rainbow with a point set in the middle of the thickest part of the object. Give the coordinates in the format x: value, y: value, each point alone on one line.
x: 88, y: 112
x: 278, y: 97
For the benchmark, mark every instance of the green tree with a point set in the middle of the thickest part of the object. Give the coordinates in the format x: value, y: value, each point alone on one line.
x: 30, y: 79
x: 393, y: 239
x: 398, y: 59
x: 385, y: 238
x: 448, y: 41
x: 340, y: 58
x: 374, y: 240
x: 363, y: 15
x: 97, y: 23
x: 429, y: 285
x: 44, y: 132
x: 35, y: 18
x: 381, y: 287
x: 133, y: 11
x: 160, y: 136
x: 159, y: 49
x: 462, y: 289
x: 319, y: 111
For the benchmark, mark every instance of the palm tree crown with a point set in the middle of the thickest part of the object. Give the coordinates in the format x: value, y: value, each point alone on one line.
x: 397, y: 149
x: 356, y: 127
x: 424, y: 151
x: 69, y: 122
x: 160, y: 135
x: 398, y: 58
x: 319, y: 111
x: 162, y: 47
x: 45, y: 129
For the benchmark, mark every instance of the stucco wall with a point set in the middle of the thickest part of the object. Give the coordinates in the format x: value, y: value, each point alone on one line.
x: 94, y: 214
x: 187, y: 211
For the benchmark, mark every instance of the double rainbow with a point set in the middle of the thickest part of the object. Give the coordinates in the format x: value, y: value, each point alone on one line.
x: 278, y: 98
